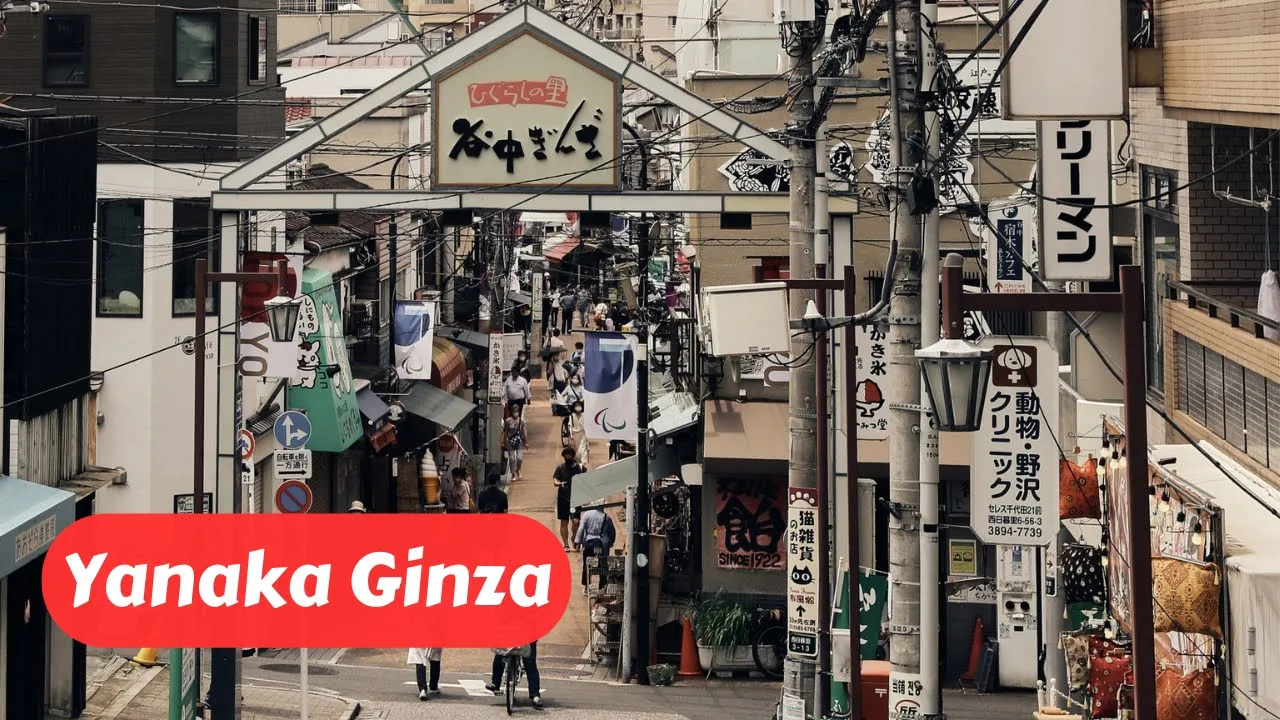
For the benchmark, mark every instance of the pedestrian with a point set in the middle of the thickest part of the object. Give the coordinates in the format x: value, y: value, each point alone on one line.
x: 532, y: 677
x: 563, y: 477
x: 516, y: 392
x: 555, y: 342
x: 357, y: 507
x: 596, y: 535
x: 559, y: 374
x: 584, y: 307
x: 422, y: 659
x: 492, y: 499
x: 458, y: 500
x: 573, y: 392
x: 515, y: 438
x: 598, y: 315
x: 568, y: 303
x: 578, y: 435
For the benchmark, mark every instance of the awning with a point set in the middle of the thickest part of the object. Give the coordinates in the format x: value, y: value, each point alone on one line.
x: 431, y: 403
x: 462, y: 336
x: 747, y: 438
x: 558, y: 253
x: 92, y: 479
x: 520, y: 298
x: 546, y: 218
x: 449, y: 367
x: 676, y: 411
x: 615, y: 477
x: 371, y: 406
x: 31, y: 516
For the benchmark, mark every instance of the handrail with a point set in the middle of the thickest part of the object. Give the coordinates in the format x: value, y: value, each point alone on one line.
x: 1187, y: 292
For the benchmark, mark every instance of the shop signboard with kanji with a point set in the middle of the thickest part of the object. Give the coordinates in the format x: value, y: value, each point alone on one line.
x: 872, y: 373
x: 803, y: 581
x: 526, y: 113
x: 1014, y: 498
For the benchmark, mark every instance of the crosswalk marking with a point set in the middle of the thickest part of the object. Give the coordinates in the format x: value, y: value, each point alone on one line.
x: 474, y: 688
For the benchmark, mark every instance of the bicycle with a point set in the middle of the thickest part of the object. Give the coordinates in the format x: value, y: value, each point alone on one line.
x: 514, y: 671
x: 769, y: 642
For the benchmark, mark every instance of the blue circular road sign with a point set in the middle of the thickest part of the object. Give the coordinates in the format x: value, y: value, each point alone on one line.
x: 292, y: 430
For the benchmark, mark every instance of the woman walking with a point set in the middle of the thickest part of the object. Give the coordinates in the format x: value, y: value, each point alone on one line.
x: 563, y: 478
x: 516, y: 438
x: 578, y: 435
x: 422, y: 659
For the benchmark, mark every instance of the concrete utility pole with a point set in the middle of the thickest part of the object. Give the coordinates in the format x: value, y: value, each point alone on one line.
x: 907, y: 139
x: 930, y: 332
x: 803, y: 390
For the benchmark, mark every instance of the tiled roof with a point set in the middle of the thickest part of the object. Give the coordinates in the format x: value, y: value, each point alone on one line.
x: 297, y: 110
x: 351, y: 227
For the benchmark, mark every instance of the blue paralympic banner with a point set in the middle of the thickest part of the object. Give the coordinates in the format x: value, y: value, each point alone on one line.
x: 609, y: 402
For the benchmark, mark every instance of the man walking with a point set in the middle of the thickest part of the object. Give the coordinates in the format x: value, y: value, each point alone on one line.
x: 492, y: 499
x: 596, y: 536
x: 568, y: 303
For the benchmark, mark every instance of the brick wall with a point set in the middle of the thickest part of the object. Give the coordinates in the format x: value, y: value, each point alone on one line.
x: 1226, y: 239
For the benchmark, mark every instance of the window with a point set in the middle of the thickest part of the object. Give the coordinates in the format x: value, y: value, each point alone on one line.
x: 66, y: 51
x: 192, y: 239
x: 1160, y: 257
x: 403, y: 291
x: 195, y: 48
x: 671, y: 21
x: 772, y: 269
x: 384, y: 302
x: 120, y: 258
x: 257, y: 50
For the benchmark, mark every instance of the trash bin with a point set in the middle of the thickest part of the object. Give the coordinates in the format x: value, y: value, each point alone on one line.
x: 875, y: 689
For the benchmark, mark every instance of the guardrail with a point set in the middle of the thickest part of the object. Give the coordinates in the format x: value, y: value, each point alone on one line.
x: 1194, y: 295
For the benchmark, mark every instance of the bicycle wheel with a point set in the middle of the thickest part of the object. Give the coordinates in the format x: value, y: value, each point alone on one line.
x: 513, y: 667
x: 768, y: 650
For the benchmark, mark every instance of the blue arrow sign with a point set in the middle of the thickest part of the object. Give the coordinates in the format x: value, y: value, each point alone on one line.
x: 292, y: 430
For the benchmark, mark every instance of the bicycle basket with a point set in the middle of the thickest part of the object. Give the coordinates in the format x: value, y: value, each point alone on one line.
x: 521, y: 651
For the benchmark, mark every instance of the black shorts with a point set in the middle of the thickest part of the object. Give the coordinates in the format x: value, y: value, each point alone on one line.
x: 563, y: 511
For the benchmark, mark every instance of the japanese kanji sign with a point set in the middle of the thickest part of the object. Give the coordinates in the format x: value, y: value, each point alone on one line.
x: 526, y: 113
x: 871, y: 413
x: 1014, y: 498
x: 1012, y: 246
x: 905, y: 692
x: 1075, y: 186
x: 803, y: 582
x: 292, y: 464
x: 751, y: 517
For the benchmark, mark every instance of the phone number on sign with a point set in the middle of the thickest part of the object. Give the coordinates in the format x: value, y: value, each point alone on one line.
x: 1006, y: 530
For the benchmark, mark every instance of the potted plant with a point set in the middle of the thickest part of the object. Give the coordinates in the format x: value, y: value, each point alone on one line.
x: 722, y: 630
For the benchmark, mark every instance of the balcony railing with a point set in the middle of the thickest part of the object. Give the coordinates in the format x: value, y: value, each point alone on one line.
x: 1222, y: 373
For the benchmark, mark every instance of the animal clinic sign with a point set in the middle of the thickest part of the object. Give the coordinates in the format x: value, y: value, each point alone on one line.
x: 526, y: 113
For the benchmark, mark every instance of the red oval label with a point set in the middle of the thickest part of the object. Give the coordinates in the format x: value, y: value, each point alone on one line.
x: 274, y: 580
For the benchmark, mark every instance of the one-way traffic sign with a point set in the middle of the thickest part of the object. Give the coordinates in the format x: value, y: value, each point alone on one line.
x: 292, y: 430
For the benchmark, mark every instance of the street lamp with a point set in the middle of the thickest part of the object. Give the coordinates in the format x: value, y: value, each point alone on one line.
x: 955, y: 378
x: 282, y: 316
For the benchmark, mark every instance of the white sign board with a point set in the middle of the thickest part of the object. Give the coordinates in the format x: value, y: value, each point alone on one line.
x: 1071, y: 63
x: 495, y: 370
x: 292, y: 464
x: 974, y: 76
x: 905, y: 693
x: 793, y: 708
x: 1075, y: 186
x: 872, y: 414
x: 1014, y: 496
x: 526, y: 113
x: 803, y: 582
x: 1012, y: 246
x: 246, y: 472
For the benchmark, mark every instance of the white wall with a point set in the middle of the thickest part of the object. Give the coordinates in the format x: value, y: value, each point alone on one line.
x: 149, y: 405
x: 749, y: 42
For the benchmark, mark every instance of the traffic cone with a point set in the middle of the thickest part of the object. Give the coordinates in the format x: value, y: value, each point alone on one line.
x: 146, y: 657
x: 689, y: 665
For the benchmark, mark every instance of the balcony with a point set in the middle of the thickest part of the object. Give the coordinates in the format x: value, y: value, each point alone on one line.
x: 1222, y: 372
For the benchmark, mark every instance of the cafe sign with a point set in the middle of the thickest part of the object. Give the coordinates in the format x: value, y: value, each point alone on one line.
x: 526, y: 113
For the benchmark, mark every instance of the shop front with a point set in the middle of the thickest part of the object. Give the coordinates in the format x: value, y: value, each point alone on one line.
x: 31, y: 516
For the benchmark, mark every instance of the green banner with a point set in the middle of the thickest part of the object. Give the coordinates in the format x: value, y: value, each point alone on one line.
x: 329, y: 402
x: 873, y: 591
x: 183, y: 690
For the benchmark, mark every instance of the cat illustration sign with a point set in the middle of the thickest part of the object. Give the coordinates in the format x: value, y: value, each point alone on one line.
x: 803, y: 583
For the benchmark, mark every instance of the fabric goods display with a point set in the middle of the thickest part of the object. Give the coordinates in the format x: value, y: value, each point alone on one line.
x: 1187, y: 597
x: 1106, y: 675
x: 1082, y: 575
x: 1076, y: 650
x: 1082, y: 615
x: 1078, y: 495
x: 1102, y: 647
x: 1190, y: 696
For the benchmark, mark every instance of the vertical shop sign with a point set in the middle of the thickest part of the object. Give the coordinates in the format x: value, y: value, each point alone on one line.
x: 1075, y: 212
x: 1011, y: 248
x: 1015, y: 491
x: 871, y: 372
x: 803, y: 581
x: 750, y: 522
x: 495, y: 370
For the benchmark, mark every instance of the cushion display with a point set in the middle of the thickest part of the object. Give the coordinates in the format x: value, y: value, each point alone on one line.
x: 1084, y: 613
x: 1187, y: 597
x: 1082, y: 577
x: 1078, y: 495
x: 1102, y: 647
x: 1192, y: 696
x: 1076, y: 649
x: 1106, y: 675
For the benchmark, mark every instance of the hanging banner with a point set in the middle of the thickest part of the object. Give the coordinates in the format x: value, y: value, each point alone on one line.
x: 750, y: 521
x: 1075, y: 212
x: 803, y: 580
x: 495, y: 370
x: 871, y: 372
x: 1015, y: 495
x: 1012, y: 246
x: 415, y: 329
x: 609, y: 402
x: 260, y: 356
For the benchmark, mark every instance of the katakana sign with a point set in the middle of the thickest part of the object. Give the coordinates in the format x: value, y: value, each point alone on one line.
x: 1014, y: 498
x: 1075, y: 187
x: 526, y: 113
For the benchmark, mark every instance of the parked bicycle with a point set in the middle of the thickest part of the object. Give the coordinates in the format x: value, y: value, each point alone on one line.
x: 769, y: 642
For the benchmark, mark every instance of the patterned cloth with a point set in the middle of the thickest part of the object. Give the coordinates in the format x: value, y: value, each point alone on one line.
x: 1187, y: 597
x: 1076, y: 649
x: 1078, y: 495
x: 1082, y: 576
x: 1193, y: 696
x: 1106, y: 675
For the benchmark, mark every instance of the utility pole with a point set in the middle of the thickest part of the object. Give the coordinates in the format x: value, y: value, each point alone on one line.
x: 640, y: 528
x: 802, y: 471
x: 907, y: 140
x: 930, y: 332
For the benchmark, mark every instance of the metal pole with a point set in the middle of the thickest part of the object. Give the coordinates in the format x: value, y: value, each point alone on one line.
x: 852, y: 509
x: 640, y: 530
x: 1135, y: 428
x: 822, y: 449
x: 305, y: 693
x: 197, y: 448
x: 907, y: 139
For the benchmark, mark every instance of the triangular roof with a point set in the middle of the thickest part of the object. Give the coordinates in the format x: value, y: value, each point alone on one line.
x: 523, y: 18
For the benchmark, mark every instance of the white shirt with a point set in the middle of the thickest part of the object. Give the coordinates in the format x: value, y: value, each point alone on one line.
x: 556, y: 342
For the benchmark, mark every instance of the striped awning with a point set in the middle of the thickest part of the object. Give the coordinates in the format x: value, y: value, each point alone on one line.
x: 558, y: 253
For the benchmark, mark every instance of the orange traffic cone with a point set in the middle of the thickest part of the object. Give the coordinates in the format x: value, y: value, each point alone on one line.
x: 689, y: 665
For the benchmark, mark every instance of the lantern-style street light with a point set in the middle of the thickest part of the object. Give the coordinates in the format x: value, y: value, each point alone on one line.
x: 282, y: 316
x: 955, y: 379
